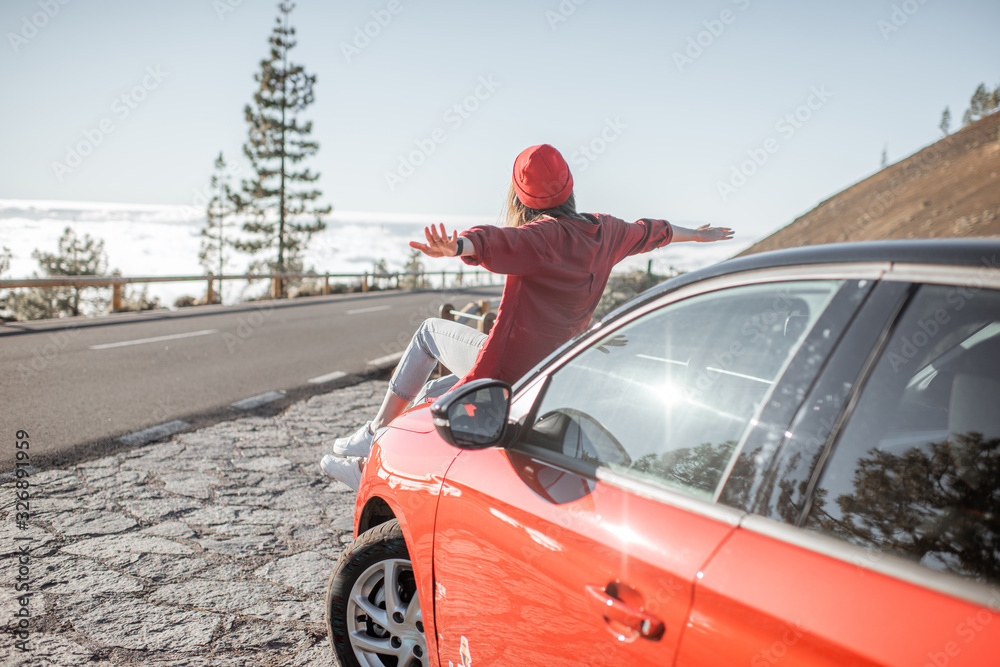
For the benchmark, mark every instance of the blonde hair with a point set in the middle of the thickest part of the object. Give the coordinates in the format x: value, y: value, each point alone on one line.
x: 516, y: 214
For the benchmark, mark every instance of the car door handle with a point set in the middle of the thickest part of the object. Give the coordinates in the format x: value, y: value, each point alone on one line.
x: 639, y: 621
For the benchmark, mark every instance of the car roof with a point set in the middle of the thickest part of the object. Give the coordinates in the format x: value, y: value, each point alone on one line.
x: 983, y: 252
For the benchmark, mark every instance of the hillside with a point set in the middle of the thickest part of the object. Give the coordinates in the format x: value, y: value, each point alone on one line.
x: 951, y: 188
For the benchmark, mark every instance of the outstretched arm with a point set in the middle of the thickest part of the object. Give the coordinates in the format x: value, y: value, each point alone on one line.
x: 704, y: 234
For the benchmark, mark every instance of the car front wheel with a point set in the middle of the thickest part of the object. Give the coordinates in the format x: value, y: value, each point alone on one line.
x: 372, y: 610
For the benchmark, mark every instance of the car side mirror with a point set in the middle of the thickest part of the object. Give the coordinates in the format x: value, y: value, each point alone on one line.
x: 473, y: 416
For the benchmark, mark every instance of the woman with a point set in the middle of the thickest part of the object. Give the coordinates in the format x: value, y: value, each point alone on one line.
x: 557, y: 263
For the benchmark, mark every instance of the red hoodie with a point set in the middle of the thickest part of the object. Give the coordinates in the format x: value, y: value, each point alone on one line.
x: 556, y: 270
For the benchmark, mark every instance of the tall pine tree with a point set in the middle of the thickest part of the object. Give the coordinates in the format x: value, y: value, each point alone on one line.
x: 276, y: 145
x: 221, y: 208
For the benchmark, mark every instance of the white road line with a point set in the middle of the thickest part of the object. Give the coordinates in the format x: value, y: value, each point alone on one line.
x: 387, y: 360
x: 254, y: 401
x: 336, y: 375
x: 373, y: 309
x: 154, y: 433
x: 157, y: 339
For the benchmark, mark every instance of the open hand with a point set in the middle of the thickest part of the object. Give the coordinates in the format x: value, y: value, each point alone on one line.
x: 439, y: 244
x: 707, y: 234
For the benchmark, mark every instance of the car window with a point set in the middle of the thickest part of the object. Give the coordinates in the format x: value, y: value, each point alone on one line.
x: 669, y: 395
x: 780, y: 486
x: 916, y: 468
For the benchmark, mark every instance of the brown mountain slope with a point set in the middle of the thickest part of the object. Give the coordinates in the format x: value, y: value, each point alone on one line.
x: 951, y: 188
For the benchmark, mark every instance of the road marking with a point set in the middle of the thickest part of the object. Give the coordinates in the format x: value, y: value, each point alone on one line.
x: 254, y: 401
x: 336, y: 375
x: 387, y: 360
x: 373, y: 309
x: 154, y: 433
x: 157, y: 339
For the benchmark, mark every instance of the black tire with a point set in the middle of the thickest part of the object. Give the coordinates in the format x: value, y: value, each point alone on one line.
x: 372, y: 635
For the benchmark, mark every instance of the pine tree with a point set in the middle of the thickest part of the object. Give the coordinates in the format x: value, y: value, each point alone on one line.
x: 982, y: 103
x: 993, y: 101
x: 945, y: 121
x: 885, y: 156
x: 415, y: 266
x: 379, y: 268
x: 221, y: 207
x: 978, y: 101
x: 277, y: 143
x: 76, y: 257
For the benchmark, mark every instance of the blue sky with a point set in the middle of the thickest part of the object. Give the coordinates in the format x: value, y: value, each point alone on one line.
x: 669, y: 97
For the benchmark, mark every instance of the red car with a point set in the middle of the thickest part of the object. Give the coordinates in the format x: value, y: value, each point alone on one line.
x: 791, y: 458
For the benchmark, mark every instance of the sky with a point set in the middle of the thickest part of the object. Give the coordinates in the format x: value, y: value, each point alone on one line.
x: 743, y: 113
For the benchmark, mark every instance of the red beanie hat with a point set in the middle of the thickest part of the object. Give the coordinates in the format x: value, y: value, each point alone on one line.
x: 541, y: 177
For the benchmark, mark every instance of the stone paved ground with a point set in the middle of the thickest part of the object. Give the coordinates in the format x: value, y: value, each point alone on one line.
x: 211, y: 548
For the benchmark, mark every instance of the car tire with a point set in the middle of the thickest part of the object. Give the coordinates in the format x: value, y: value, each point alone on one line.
x: 371, y: 624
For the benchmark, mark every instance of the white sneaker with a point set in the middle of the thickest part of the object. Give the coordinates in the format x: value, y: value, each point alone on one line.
x: 358, y: 443
x: 346, y: 469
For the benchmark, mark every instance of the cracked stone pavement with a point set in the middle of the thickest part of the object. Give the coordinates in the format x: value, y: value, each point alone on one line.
x: 211, y: 548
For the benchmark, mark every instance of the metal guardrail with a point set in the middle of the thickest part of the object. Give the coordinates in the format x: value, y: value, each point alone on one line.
x: 475, y: 310
x: 277, y: 280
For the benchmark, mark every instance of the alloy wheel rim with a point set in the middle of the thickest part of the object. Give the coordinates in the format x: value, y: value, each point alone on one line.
x: 384, y: 621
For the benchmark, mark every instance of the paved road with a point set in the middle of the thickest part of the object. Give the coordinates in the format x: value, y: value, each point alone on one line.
x: 79, y: 387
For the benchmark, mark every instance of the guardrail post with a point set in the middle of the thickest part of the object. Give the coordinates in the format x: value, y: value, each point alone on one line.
x: 116, y: 298
x: 326, y: 284
x: 210, y: 295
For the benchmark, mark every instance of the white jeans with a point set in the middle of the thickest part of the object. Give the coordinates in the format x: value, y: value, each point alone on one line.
x: 454, y: 345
